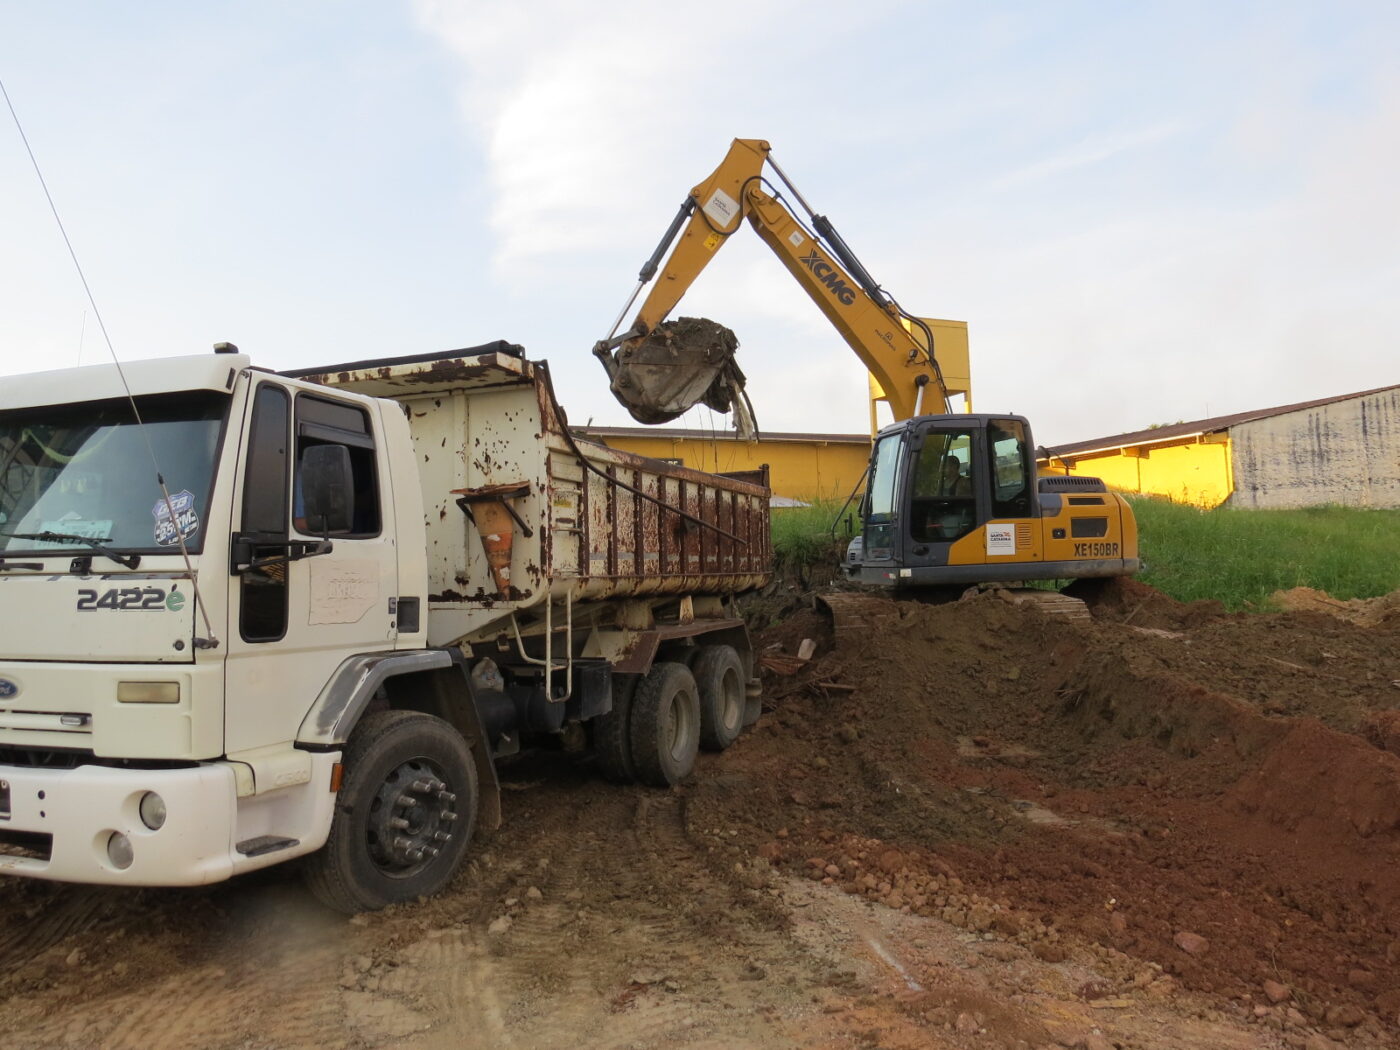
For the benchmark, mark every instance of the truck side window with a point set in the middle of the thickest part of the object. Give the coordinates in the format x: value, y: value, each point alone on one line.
x: 1011, y: 491
x: 321, y: 421
x: 262, y: 615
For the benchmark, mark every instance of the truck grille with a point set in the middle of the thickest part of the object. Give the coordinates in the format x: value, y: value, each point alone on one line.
x: 44, y: 758
x: 32, y: 845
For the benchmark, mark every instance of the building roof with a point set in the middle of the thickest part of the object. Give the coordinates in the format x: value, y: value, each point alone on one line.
x: 1196, y: 427
x: 594, y: 433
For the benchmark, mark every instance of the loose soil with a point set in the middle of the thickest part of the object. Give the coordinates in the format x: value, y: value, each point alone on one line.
x: 964, y: 825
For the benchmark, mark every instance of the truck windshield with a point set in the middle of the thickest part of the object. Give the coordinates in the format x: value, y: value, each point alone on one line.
x: 84, y: 471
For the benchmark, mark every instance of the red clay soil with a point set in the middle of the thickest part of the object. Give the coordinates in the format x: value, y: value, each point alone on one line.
x: 1202, y: 800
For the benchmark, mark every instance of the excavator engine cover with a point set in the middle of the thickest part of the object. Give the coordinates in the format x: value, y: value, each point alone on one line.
x: 677, y: 365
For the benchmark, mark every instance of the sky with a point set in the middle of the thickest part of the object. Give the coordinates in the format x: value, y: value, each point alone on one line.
x: 1146, y: 213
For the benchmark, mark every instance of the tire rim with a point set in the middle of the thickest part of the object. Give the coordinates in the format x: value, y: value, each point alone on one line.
x: 410, y: 818
x: 680, y: 727
x: 733, y: 692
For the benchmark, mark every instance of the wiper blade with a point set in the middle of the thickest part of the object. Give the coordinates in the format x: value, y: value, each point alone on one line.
x: 129, y: 561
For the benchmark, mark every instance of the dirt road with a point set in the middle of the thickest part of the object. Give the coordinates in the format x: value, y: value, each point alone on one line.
x: 970, y: 826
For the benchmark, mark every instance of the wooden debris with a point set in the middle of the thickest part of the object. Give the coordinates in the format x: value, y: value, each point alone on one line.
x: 782, y: 663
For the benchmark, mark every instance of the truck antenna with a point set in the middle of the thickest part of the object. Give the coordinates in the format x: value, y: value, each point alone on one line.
x: 209, y: 641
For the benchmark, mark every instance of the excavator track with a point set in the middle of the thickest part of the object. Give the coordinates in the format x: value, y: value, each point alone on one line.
x: 1052, y: 603
x: 853, y: 615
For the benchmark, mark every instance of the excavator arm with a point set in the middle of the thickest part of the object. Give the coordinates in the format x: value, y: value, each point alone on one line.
x: 652, y: 363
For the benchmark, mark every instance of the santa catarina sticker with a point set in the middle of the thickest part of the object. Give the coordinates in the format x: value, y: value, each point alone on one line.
x: 186, y: 519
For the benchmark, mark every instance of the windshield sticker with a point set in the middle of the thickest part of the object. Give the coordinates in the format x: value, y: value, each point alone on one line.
x: 185, y: 517
x: 72, y: 524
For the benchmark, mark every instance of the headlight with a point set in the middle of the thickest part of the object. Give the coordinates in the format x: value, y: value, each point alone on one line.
x: 152, y: 811
x: 119, y: 851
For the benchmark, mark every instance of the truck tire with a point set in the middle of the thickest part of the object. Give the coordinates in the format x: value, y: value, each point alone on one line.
x: 665, y: 724
x: 720, y: 678
x: 612, y: 733
x: 399, y: 766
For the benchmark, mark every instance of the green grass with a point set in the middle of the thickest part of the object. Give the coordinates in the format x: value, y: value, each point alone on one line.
x: 1240, y: 557
x: 802, y: 535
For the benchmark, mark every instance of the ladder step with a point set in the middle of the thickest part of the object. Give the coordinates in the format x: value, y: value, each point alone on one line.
x: 265, y: 844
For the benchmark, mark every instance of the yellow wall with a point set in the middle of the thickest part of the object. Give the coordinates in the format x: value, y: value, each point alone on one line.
x: 1190, y: 470
x: 799, y: 469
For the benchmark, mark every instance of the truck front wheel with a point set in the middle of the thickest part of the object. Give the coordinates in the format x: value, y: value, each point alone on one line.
x: 665, y: 725
x: 404, y: 816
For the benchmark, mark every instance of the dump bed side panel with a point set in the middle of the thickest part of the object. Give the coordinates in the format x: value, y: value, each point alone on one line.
x: 638, y: 541
x: 516, y: 513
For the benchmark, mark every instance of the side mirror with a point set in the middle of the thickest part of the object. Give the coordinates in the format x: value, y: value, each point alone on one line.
x: 327, y: 488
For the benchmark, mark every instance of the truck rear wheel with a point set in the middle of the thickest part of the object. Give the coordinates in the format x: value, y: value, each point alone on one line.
x: 665, y: 725
x: 612, y: 733
x: 404, y: 816
x: 719, y: 676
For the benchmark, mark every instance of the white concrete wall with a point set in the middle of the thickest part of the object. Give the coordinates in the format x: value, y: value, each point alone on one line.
x: 1346, y: 453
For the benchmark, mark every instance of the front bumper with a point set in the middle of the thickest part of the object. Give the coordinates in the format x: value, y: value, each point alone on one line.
x: 79, y: 810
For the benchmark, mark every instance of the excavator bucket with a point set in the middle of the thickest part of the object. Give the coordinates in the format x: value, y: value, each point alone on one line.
x: 678, y: 365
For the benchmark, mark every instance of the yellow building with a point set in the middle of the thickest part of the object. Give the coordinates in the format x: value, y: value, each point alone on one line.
x: 1342, y: 450
x: 805, y: 467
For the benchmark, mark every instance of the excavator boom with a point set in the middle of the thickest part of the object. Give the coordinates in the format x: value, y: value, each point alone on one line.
x: 658, y: 371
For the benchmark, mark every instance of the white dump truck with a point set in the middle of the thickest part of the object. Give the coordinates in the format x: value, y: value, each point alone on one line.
x: 248, y: 616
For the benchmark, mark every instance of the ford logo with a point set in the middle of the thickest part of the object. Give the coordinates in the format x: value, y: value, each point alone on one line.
x: 8, y: 689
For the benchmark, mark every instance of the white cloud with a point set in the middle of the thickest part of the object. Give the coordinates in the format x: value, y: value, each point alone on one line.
x: 1091, y: 151
x: 591, y: 116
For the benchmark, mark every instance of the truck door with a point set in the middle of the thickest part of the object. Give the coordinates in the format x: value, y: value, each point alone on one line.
x: 295, y: 614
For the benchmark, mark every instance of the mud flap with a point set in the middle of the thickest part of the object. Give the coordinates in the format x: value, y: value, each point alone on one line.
x: 753, y: 701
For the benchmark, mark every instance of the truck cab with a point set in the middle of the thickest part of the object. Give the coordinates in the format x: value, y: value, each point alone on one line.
x: 161, y: 646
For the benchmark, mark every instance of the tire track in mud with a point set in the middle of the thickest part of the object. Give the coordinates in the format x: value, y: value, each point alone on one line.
x: 617, y: 945
x: 292, y: 1006
x: 473, y: 981
x: 69, y: 911
x: 258, y: 967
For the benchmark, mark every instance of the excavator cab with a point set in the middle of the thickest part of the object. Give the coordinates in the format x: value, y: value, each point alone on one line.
x: 954, y: 499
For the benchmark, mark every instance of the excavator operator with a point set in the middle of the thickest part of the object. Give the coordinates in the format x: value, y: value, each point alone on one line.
x: 955, y: 483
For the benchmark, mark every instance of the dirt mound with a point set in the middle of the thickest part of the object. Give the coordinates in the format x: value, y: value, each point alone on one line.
x: 1368, y: 612
x: 1382, y: 728
x: 1123, y: 599
x: 1162, y: 795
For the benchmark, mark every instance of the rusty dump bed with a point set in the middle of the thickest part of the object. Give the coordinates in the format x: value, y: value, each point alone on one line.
x: 517, y: 512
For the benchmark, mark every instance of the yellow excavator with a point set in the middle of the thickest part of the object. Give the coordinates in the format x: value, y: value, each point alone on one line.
x: 951, y: 498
